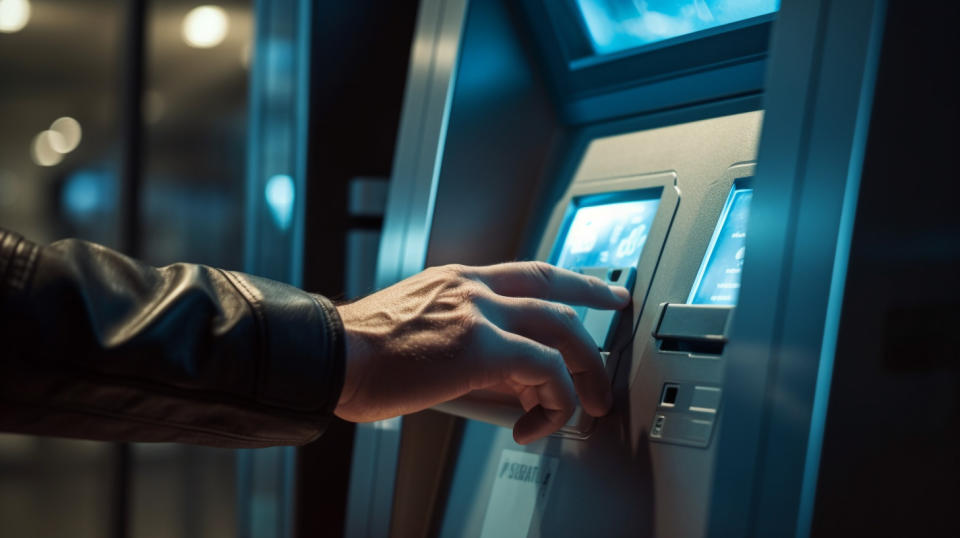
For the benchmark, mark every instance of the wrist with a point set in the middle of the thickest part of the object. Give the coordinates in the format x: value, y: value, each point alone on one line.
x: 355, y: 347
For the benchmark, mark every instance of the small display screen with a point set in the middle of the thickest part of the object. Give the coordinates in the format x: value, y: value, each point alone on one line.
x: 719, y: 279
x: 615, y: 25
x: 607, y: 230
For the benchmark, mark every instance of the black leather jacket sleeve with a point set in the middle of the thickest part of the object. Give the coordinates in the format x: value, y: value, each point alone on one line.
x: 96, y: 345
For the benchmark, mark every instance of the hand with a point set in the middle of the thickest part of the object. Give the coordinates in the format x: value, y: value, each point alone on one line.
x: 453, y: 329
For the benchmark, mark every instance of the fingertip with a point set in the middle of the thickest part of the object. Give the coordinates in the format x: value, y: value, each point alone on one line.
x: 535, y: 424
x: 594, y: 393
x: 621, y: 293
x: 522, y: 433
x: 602, y: 409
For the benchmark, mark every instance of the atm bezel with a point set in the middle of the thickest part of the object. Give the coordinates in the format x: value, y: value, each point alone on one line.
x: 666, y: 182
x: 670, y: 195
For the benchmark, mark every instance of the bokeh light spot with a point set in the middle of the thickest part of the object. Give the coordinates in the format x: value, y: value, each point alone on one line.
x: 42, y: 148
x: 14, y: 15
x: 280, y: 197
x: 205, y: 27
x: 70, y: 133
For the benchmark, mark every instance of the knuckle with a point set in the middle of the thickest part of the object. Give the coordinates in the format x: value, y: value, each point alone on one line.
x: 541, y: 270
x: 470, y: 321
x: 555, y: 364
x: 567, y: 314
x: 455, y: 268
x: 474, y: 328
x: 471, y: 291
x: 446, y: 272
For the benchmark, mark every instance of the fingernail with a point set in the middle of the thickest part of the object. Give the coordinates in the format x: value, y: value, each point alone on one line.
x: 621, y: 293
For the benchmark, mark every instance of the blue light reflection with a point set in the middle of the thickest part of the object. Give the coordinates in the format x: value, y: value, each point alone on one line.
x: 88, y: 192
x: 615, y: 25
x: 280, y: 197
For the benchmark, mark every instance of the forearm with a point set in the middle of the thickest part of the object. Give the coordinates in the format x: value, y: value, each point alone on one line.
x: 96, y: 345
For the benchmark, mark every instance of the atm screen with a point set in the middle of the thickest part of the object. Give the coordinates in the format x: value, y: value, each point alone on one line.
x: 718, y: 282
x: 607, y: 230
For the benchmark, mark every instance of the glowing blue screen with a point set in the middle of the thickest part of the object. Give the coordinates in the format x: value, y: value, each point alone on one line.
x: 615, y: 25
x: 607, y: 235
x: 719, y: 278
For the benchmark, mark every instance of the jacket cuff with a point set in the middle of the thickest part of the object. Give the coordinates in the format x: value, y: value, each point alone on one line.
x: 302, y: 350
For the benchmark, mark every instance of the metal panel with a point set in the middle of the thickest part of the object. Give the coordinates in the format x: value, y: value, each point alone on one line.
x: 819, y: 79
x: 426, y: 108
x: 618, y: 482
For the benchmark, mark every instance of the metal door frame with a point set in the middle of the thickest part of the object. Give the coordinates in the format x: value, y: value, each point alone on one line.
x: 818, y: 102
x: 406, y: 232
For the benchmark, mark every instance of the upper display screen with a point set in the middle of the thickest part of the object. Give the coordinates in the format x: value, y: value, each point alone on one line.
x: 615, y: 25
x: 606, y: 231
x: 719, y: 279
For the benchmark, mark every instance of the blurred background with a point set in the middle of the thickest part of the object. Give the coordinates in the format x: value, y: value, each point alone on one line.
x: 61, y: 167
x: 128, y: 123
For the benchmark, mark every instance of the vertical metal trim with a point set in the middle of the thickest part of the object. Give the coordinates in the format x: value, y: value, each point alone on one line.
x: 838, y: 278
x: 416, y: 167
x: 266, y: 478
x: 243, y: 493
x: 244, y: 458
x: 408, y: 217
x: 786, y: 257
x: 302, y: 129
x: 131, y: 174
x: 257, y: 69
x: 777, y: 360
x: 287, y: 463
x: 120, y: 494
x: 131, y: 130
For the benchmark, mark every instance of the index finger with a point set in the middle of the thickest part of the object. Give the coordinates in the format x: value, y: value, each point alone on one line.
x: 544, y: 281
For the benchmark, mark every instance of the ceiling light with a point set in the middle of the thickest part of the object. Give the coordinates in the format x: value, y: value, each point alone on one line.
x: 205, y: 27
x: 14, y: 15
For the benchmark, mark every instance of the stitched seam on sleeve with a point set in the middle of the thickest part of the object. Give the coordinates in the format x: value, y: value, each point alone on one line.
x: 335, y: 353
x: 331, y: 333
x: 261, y: 323
x: 327, y: 355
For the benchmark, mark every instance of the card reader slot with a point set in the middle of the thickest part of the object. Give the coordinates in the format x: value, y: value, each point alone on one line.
x: 692, y: 329
x: 697, y: 347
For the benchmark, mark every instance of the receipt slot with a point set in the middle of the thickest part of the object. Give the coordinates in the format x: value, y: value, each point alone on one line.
x: 612, y: 229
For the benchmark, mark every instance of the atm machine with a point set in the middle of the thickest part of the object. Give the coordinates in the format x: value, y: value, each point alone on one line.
x: 708, y: 162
